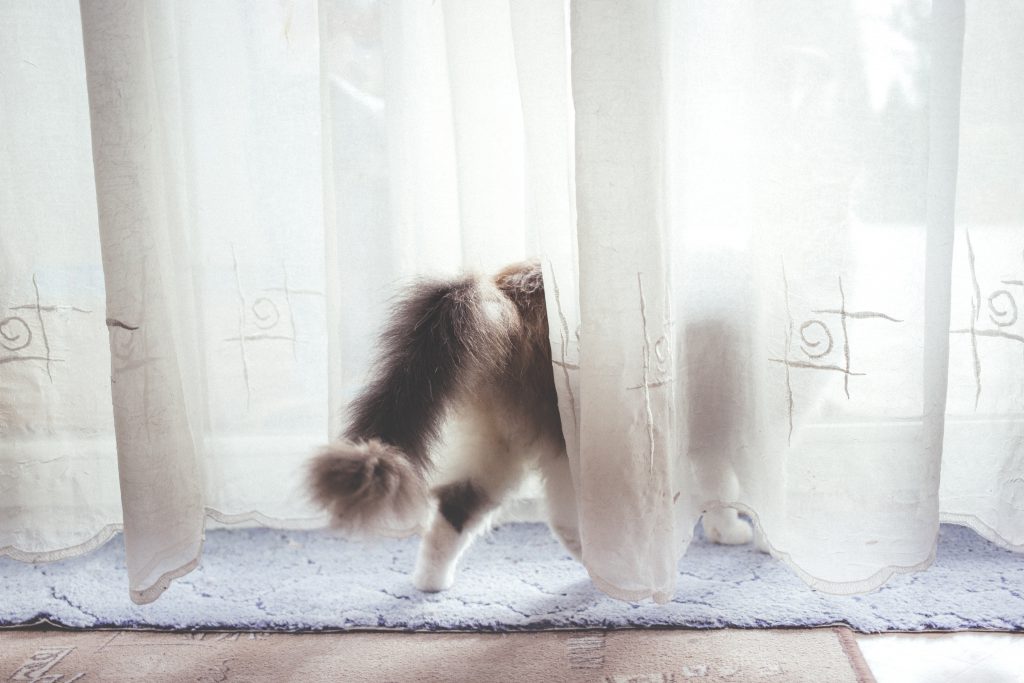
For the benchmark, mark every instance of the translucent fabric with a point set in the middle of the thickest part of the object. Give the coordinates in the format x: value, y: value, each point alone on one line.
x: 769, y: 224
x: 772, y: 237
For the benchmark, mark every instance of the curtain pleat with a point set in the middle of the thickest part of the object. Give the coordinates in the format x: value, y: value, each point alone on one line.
x: 982, y: 478
x: 629, y: 432
x: 58, y: 468
x: 138, y: 154
x: 208, y: 188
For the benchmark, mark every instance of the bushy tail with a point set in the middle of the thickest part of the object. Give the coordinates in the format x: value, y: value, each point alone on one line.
x: 441, y: 335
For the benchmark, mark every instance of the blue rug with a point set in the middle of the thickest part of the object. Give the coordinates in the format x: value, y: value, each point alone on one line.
x: 518, y: 578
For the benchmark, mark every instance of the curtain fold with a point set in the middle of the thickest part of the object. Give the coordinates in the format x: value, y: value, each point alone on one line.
x: 207, y: 182
x: 58, y: 465
x: 138, y: 155
x: 630, y: 436
x: 983, y: 461
x: 782, y: 247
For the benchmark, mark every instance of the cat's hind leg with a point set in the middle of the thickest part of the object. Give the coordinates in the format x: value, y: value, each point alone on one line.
x: 724, y: 525
x: 485, y: 469
x: 463, y: 509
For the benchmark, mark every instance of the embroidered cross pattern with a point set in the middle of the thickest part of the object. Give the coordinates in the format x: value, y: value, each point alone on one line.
x: 23, y: 335
x: 260, y: 317
x: 818, y: 338
x: 1001, y: 315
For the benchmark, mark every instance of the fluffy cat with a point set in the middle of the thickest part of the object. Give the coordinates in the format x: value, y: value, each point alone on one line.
x: 475, y: 350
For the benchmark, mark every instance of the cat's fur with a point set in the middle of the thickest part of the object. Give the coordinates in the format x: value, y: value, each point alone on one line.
x: 477, y: 350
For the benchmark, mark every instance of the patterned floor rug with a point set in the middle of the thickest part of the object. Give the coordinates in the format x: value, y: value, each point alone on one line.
x: 517, y: 578
x: 626, y: 656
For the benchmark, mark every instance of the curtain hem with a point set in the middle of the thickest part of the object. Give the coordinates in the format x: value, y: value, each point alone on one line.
x: 854, y: 587
x: 982, y: 528
x: 163, y: 582
x: 860, y: 586
x: 610, y: 589
x: 95, y: 541
x: 107, y: 532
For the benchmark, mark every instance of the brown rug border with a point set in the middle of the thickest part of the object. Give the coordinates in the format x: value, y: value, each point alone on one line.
x: 854, y: 655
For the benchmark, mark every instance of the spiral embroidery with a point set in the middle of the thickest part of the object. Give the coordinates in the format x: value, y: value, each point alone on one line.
x: 24, y: 336
x: 1002, y: 312
x: 15, y: 334
x: 1002, y: 308
x: 264, y: 317
x: 265, y: 314
x: 816, y: 341
x: 811, y: 342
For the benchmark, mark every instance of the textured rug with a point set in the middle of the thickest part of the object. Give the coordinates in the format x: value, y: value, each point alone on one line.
x: 517, y: 578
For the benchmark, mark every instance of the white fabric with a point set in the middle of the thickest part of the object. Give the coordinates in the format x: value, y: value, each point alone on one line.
x: 722, y: 195
x: 764, y: 227
x: 58, y: 466
x: 983, y: 462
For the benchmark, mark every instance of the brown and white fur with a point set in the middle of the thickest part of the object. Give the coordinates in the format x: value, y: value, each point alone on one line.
x: 474, y: 350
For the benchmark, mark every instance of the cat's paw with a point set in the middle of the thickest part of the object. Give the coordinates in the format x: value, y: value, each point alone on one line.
x: 429, y: 580
x: 727, y: 530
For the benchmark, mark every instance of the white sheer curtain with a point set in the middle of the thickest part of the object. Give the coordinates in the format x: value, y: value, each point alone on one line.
x: 791, y: 222
x: 764, y: 211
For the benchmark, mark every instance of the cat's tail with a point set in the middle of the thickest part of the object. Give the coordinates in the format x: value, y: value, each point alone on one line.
x: 442, y: 338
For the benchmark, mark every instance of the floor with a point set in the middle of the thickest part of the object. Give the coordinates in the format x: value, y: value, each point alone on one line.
x: 627, y: 656
x: 970, y: 657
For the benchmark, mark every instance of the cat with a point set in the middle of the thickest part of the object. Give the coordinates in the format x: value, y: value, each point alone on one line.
x: 474, y: 350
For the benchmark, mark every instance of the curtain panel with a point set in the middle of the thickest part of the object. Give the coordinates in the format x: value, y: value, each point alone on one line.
x: 783, y: 250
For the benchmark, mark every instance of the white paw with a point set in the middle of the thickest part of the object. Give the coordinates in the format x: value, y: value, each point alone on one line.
x: 431, y: 580
x: 727, y: 530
